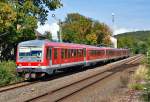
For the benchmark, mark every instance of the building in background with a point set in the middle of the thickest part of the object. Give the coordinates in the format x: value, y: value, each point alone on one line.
x: 114, y: 41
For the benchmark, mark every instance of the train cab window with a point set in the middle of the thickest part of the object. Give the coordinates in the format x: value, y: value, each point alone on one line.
x: 55, y: 53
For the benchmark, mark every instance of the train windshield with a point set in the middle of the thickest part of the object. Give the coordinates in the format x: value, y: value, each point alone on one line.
x: 30, y: 54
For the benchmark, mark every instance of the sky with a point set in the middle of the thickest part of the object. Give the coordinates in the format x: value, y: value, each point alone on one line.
x: 130, y: 15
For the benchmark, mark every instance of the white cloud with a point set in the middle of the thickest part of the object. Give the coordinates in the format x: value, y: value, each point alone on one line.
x: 53, y: 28
x: 123, y: 30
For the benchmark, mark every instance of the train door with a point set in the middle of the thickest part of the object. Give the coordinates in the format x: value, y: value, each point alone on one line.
x: 84, y: 54
x: 49, y: 56
x: 55, y: 56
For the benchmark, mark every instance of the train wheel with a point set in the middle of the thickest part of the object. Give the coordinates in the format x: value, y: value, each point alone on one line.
x: 54, y: 71
x: 27, y: 76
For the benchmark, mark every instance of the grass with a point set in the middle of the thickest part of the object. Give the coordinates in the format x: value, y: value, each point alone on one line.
x: 138, y: 79
x: 141, y: 73
x: 136, y: 86
x: 8, y: 73
x: 141, y: 80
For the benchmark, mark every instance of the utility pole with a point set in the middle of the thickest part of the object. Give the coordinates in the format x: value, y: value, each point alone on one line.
x: 113, y: 22
x: 113, y: 39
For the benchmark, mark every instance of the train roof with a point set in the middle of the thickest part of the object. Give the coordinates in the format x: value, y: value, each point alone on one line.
x: 58, y: 44
x: 32, y: 43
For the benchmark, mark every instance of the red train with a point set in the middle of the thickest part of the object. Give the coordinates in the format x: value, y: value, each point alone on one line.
x: 40, y: 57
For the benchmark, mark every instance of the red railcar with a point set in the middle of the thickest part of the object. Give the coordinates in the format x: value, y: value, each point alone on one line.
x: 39, y: 57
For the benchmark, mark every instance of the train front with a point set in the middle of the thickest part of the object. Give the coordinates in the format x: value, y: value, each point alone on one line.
x: 29, y: 61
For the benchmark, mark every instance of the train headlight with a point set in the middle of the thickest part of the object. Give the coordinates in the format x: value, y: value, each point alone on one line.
x: 39, y: 64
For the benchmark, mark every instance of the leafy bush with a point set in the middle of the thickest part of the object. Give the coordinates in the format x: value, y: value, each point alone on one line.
x: 8, y: 73
x: 146, y: 94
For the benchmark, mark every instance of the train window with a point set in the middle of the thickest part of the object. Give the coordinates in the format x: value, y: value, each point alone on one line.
x: 95, y: 52
x: 66, y: 54
x: 77, y: 52
x: 84, y: 51
x: 99, y: 52
x: 107, y: 52
x: 69, y: 53
x: 111, y: 52
x: 62, y: 53
x: 74, y: 52
x: 91, y: 52
x: 55, y: 53
x: 81, y: 52
x: 48, y: 55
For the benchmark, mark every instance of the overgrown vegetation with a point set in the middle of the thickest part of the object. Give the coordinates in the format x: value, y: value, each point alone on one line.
x: 137, y: 42
x: 8, y: 73
x: 146, y: 95
x: 141, y: 79
x: 138, y: 78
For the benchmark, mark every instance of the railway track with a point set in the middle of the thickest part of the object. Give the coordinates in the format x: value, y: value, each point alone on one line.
x: 26, y: 83
x: 15, y: 85
x: 67, y: 90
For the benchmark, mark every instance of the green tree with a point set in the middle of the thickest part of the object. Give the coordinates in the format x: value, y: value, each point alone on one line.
x: 48, y: 35
x: 75, y: 28
x: 103, y: 33
x: 138, y: 42
x: 80, y: 29
x: 18, y: 19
